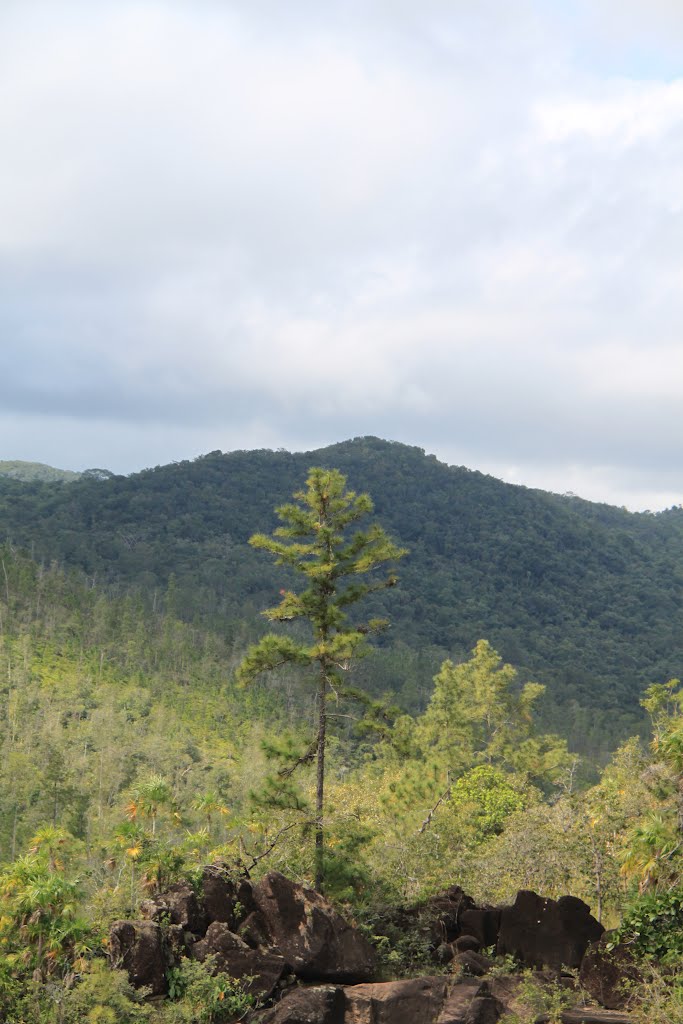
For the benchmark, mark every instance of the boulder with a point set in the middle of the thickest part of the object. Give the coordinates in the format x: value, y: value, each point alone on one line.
x: 136, y: 947
x: 543, y: 932
x: 470, y: 1002
x: 226, y: 898
x: 465, y: 942
x: 219, y: 941
x: 469, y: 962
x: 430, y: 1000
x: 314, y: 939
x: 320, y: 1004
x: 411, y: 1001
x: 609, y: 975
x: 260, y: 971
x: 483, y: 923
x: 178, y: 905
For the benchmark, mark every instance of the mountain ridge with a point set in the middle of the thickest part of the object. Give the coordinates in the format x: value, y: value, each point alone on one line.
x: 584, y: 596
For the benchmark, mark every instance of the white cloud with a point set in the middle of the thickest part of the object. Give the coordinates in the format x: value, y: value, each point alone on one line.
x: 225, y: 224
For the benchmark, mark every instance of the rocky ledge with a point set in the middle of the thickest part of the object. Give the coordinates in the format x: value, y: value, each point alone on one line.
x: 306, y: 964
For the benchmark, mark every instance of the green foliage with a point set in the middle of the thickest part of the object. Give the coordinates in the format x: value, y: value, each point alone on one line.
x: 539, y: 998
x: 103, y: 996
x: 653, y: 925
x: 202, y: 996
x: 39, y: 924
x: 587, y: 595
x: 658, y: 999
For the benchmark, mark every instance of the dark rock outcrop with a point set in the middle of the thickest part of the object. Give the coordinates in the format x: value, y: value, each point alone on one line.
x: 136, y: 947
x: 410, y: 1001
x: 319, y: 1004
x: 471, y: 963
x: 430, y: 1000
x: 226, y: 898
x: 178, y: 904
x: 483, y: 923
x: 219, y: 941
x: 314, y: 939
x: 543, y: 932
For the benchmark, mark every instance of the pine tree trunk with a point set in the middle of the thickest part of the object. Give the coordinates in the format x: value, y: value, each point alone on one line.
x: 320, y: 781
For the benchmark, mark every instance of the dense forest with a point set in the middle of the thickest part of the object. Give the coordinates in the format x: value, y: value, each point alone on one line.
x: 132, y: 753
x: 586, y: 596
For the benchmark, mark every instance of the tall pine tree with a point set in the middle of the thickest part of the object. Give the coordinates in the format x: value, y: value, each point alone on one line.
x: 316, y: 539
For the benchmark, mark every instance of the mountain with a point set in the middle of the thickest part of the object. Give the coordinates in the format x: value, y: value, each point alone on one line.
x: 584, y: 597
x: 36, y: 471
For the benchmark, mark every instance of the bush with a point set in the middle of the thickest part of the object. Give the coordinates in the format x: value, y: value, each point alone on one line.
x: 653, y: 925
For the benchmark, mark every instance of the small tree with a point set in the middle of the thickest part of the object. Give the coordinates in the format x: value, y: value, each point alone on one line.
x: 314, y: 540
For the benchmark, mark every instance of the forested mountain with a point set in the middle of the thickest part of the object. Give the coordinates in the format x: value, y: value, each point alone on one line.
x: 36, y: 471
x: 585, y: 597
x: 135, y: 747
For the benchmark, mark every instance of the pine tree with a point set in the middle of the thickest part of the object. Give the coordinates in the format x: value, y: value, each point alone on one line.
x: 315, y: 541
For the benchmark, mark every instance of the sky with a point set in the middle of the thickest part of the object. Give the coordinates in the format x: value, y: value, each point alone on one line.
x: 258, y: 224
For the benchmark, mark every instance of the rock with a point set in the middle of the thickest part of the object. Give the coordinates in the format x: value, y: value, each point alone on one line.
x: 314, y: 939
x: 226, y: 898
x: 483, y: 923
x: 609, y: 975
x: 444, y: 953
x: 136, y: 947
x: 422, y: 1001
x: 218, y: 941
x: 179, y: 905
x: 175, y: 941
x: 469, y: 962
x: 465, y: 942
x: 412, y: 1001
x: 470, y: 1002
x: 261, y: 972
x: 255, y: 931
x: 446, y: 911
x: 543, y: 932
x: 484, y: 1010
x: 320, y: 1004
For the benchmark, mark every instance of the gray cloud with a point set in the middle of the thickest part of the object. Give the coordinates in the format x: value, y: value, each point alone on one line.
x: 226, y: 225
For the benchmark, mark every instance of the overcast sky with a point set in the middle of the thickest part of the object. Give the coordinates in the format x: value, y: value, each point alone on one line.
x: 262, y: 223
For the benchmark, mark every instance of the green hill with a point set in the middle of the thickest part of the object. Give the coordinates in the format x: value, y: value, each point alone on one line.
x: 584, y: 597
x: 36, y: 471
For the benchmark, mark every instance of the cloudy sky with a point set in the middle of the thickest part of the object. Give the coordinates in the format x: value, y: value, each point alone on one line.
x: 283, y: 223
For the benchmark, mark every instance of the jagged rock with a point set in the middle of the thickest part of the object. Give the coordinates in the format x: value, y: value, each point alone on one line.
x: 254, y: 931
x: 136, y: 947
x: 543, y: 932
x: 260, y: 971
x: 320, y: 1004
x: 470, y: 962
x: 226, y: 898
x: 219, y: 941
x: 483, y: 923
x: 179, y: 905
x: 314, y: 939
x: 609, y: 975
x: 470, y: 1002
x: 412, y: 1001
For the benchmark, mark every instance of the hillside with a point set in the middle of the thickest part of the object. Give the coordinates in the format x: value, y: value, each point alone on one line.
x: 584, y: 597
x: 19, y: 470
